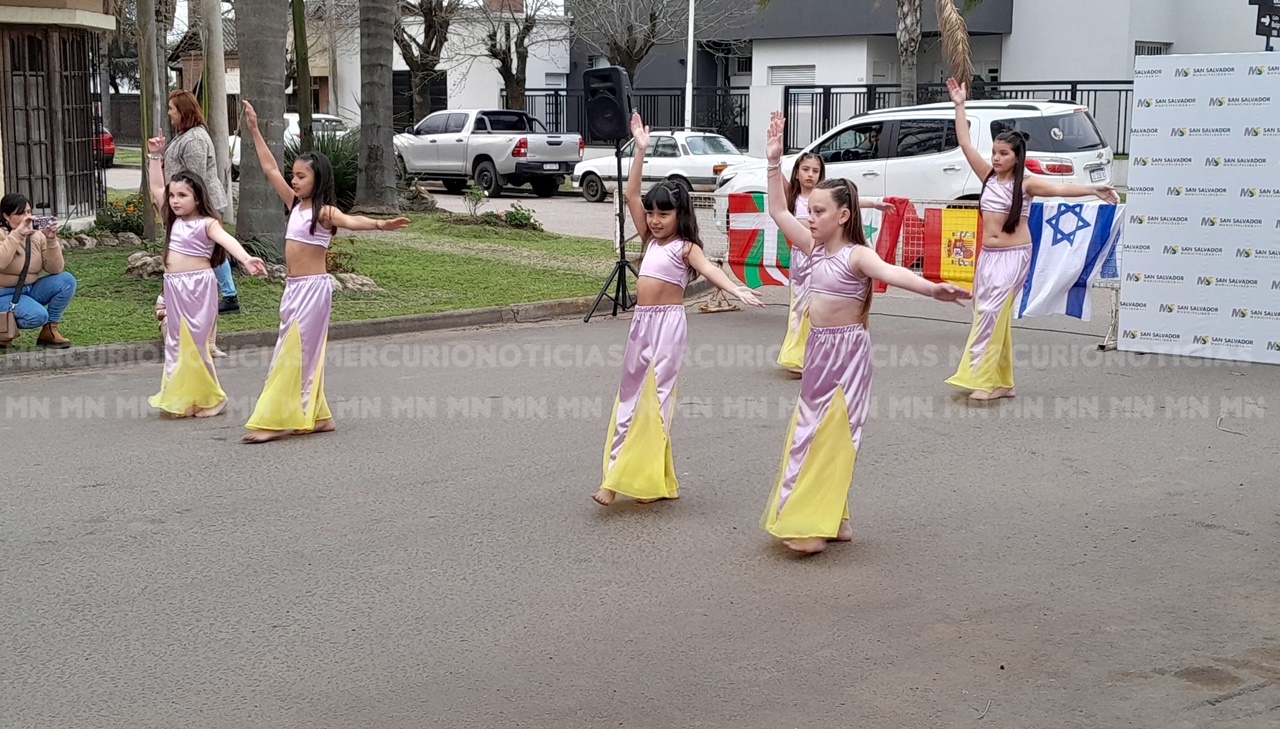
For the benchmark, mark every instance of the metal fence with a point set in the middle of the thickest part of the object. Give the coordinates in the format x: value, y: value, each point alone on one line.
x: 723, y: 110
x: 813, y: 110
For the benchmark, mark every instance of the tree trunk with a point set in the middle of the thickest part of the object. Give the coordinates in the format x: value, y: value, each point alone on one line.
x: 422, y: 94
x: 909, y: 12
x: 262, y: 27
x: 104, y: 80
x: 302, y: 81
x: 216, y: 91
x: 149, y: 85
x: 376, y: 183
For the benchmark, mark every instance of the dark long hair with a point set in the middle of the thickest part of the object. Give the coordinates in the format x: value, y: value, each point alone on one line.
x: 203, y: 209
x: 1017, y: 141
x: 845, y: 195
x: 793, y: 189
x: 324, y: 191
x: 11, y: 204
x: 669, y: 195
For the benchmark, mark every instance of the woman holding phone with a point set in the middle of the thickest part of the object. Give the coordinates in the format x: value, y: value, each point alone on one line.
x: 33, y: 276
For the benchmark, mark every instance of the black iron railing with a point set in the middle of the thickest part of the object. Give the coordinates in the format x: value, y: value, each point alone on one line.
x: 725, y: 110
x: 814, y: 110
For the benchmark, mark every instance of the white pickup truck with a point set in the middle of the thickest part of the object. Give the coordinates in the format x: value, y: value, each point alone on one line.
x: 495, y: 148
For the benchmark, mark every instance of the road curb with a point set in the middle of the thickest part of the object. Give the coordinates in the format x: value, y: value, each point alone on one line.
x: 152, y: 351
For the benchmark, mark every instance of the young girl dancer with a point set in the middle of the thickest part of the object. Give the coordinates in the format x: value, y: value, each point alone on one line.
x: 809, y: 502
x: 194, y: 245
x: 809, y: 170
x: 637, y: 453
x: 986, y: 367
x: 293, y: 397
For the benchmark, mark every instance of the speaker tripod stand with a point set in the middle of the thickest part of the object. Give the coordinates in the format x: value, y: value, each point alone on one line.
x: 617, y: 280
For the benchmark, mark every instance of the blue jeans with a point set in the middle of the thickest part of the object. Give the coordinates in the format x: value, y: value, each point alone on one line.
x: 41, y: 302
x: 226, y: 284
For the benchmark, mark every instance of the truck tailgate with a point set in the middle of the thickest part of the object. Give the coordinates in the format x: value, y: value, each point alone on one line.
x: 553, y: 148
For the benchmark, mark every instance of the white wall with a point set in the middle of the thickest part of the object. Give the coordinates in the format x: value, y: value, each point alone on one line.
x: 1218, y: 26
x: 1076, y: 39
x: 932, y: 67
x: 836, y: 60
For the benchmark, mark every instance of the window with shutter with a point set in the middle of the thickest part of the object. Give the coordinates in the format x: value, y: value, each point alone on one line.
x: 792, y: 75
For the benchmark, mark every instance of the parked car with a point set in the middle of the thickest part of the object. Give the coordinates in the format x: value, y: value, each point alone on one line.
x: 320, y: 124
x: 691, y: 159
x: 495, y: 148
x: 913, y: 152
x: 104, y: 148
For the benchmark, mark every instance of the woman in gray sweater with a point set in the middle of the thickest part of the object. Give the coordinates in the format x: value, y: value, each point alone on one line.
x: 191, y: 150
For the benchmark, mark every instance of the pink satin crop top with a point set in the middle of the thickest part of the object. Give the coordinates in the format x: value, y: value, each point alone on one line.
x: 832, y: 274
x: 665, y: 262
x: 997, y: 197
x: 299, y: 228
x: 191, y: 238
x: 802, y: 207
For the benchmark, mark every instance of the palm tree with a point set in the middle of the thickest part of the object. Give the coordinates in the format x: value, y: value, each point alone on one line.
x: 302, y: 79
x: 262, y: 27
x: 376, y: 185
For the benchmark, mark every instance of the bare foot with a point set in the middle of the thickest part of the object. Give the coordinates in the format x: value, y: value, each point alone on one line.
x: 322, y: 426
x: 604, y: 497
x: 795, y: 370
x: 215, y: 352
x: 980, y: 395
x: 660, y: 498
x: 263, y: 436
x: 1002, y: 392
x: 210, y: 412
x: 845, y: 533
x: 809, y: 545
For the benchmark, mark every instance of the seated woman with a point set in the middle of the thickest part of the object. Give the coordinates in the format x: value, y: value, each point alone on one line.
x: 47, y: 288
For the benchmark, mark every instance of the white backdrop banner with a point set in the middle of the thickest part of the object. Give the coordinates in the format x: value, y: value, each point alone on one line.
x: 1200, y: 266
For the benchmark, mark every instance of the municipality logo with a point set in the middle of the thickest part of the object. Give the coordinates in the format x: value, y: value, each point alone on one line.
x: 1163, y: 162
x: 1262, y: 254
x: 1155, y: 278
x: 1201, y: 132
x: 1168, y: 309
x: 1145, y: 336
x: 1149, y: 73
x: 1197, y: 191
x: 1262, y: 131
x: 1179, y: 132
x: 1235, y: 161
x: 1273, y: 346
x: 1204, y: 281
x: 1181, y: 72
x: 1218, y: 101
x: 1217, y: 222
x: 1260, y: 192
x: 1169, y: 102
x: 1229, y: 342
x: 1205, y: 72
x: 1142, y: 191
x: 1260, y: 314
x: 1263, y: 71
x: 1199, y: 339
x: 1133, y: 305
x: 1238, y: 101
x: 1240, y: 313
x: 1131, y: 334
x: 1145, y: 132
x: 1159, y: 219
x: 1136, y: 247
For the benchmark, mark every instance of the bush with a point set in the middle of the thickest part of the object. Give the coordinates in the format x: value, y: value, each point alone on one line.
x: 343, y: 152
x: 521, y: 217
x: 341, y: 257
x: 266, y: 250
x: 474, y: 198
x: 118, y: 217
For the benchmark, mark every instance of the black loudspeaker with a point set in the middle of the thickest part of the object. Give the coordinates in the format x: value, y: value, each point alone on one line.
x: 608, y: 95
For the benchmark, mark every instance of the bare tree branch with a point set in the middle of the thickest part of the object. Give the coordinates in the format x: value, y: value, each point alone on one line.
x: 626, y: 31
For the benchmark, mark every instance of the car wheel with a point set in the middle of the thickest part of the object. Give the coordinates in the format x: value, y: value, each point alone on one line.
x: 682, y: 183
x: 108, y: 162
x: 593, y: 188
x: 455, y: 186
x: 544, y: 186
x: 487, y: 179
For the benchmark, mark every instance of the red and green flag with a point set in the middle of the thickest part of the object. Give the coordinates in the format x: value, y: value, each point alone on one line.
x: 759, y: 254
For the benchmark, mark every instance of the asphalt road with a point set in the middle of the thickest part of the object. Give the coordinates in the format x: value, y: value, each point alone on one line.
x: 1097, y: 553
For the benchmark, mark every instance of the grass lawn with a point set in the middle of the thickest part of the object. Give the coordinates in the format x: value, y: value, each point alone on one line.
x: 432, y: 266
x: 128, y: 156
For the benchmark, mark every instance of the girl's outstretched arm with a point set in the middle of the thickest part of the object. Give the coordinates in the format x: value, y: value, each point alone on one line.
x: 332, y: 217
x: 795, y: 231
x: 219, y: 235
x: 155, y: 170
x: 698, y: 260
x: 1043, y: 188
x: 635, y: 178
x: 265, y: 158
x: 867, y: 261
x: 981, y: 167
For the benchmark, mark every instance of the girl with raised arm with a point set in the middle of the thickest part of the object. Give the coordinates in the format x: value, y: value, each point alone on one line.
x: 293, y: 398
x: 637, y: 455
x: 194, y: 244
x: 986, y: 367
x: 809, y: 503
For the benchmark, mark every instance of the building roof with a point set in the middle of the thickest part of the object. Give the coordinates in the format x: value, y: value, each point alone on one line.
x: 190, y: 41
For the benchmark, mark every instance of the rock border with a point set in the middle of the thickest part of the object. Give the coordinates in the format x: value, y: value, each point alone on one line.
x: 152, y: 352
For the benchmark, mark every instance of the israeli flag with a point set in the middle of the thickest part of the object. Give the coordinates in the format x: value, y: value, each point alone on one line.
x: 1071, y: 244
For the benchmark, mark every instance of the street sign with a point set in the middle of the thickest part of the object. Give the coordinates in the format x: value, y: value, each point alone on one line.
x: 1268, y: 18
